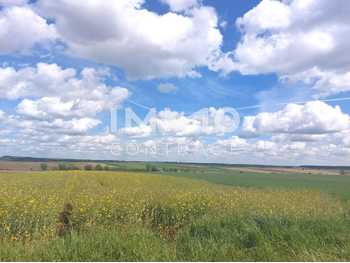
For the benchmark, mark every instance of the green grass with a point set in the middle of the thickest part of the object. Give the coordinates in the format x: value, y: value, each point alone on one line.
x: 230, y: 238
x: 337, y: 186
x: 259, y: 238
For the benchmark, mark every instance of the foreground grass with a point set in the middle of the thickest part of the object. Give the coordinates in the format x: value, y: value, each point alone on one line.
x: 230, y: 238
x: 146, y: 217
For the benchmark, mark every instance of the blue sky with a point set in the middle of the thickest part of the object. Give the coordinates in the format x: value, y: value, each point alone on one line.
x: 280, y: 64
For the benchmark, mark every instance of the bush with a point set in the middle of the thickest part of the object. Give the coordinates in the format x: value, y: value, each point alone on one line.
x: 98, y: 167
x: 44, y: 166
x: 88, y: 167
x: 67, y: 167
x: 62, y: 167
x: 151, y: 168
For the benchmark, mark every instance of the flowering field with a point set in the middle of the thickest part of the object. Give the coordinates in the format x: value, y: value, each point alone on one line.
x: 179, y: 215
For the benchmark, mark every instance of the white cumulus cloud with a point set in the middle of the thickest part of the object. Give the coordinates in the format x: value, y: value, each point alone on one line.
x: 314, y: 117
x: 143, y: 43
x: 21, y: 28
x: 299, y: 40
x: 59, y: 91
x: 53, y: 100
x: 207, y: 121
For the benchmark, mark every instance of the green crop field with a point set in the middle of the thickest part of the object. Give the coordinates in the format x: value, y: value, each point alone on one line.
x: 203, y: 213
x: 337, y: 186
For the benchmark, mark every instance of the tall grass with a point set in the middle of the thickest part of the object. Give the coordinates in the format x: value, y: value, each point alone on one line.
x: 230, y: 238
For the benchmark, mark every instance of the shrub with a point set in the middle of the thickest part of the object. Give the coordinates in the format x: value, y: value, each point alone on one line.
x: 151, y: 168
x: 62, y: 167
x: 98, y: 167
x: 67, y: 167
x: 88, y: 167
x: 44, y: 166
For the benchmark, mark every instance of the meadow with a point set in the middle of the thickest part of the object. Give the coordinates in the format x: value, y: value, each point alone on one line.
x: 205, y: 214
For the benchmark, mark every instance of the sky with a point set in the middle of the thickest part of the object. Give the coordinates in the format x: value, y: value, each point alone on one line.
x: 244, y: 81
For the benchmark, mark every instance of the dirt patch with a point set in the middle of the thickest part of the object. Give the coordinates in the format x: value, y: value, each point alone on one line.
x: 19, y: 166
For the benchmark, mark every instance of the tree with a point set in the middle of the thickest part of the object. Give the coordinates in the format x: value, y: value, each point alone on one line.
x: 98, y: 167
x: 62, y: 167
x: 88, y: 167
x: 43, y: 166
x: 151, y: 168
x: 155, y: 169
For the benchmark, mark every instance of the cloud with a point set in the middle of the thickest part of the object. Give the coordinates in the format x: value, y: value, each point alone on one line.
x: 69, y: 138
x: 59, y: 91
x: 180, y: 5
x: 2, y: 115
x: 79, y: 126
x: 50, y: 107
x: 53, y: 107
x: 260, y: 151
x: 223, y: 24
x: 323, y: 82
x: 166, y: 88
x: 42, y: 80
x: 207, y: 121
x: 145, y: 44
x: 45, y: 107
x: 166, y: 122
x: 234, y: 143
x: 297, y: 40
x: 314, y: 117
x: 21, y: 28
x: 55, y: 101
x: 7, y: 3
x: 170, y: 122
x: 299, y: 137
x: 280, y: 151
x: 139, y: 131
x: 33, y: 127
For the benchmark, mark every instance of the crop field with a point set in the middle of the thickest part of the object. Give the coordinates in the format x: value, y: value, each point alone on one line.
x: 335, y: 185
x: 190, y: 215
